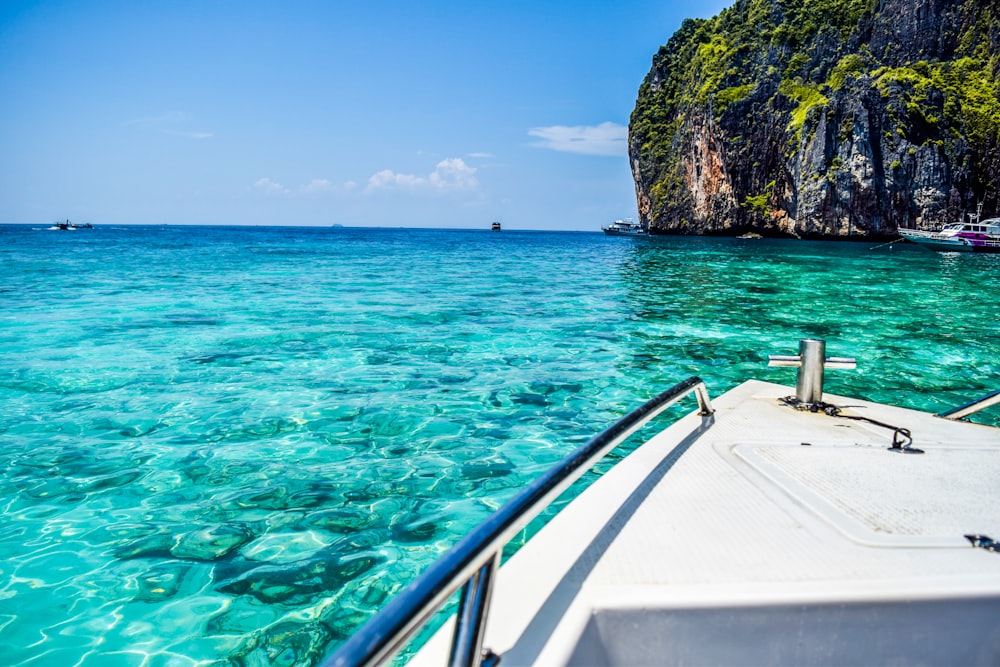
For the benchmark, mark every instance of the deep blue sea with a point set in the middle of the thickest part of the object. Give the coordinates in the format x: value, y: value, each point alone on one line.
x: 229, y: 446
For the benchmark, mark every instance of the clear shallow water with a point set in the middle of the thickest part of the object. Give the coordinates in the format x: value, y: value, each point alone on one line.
x: 230, y: 446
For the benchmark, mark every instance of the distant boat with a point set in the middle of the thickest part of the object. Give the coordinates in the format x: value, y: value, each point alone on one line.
x: 971, y: 236
x: 69, y: 226
x: 495, y: 227
x: 625, y: 227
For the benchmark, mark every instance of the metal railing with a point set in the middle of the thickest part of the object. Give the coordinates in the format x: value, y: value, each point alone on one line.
x: 975, y: 406
x: 472, y: 563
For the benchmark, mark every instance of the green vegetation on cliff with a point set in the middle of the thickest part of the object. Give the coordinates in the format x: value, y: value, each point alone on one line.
x: 958, y: 97
x: 889, y: 100
x: 806, y: 96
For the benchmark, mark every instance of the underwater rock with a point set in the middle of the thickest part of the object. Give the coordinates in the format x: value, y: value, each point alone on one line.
x: 217, y: 357
x: 341, y: 520
x: 286, y: 644
x: 286, y: 547
x: 212, y: 542
x: 161, y: 582
x: 289, y: 495
x: 496, y: 467
x: 192, y: 320
x: 414, y: 532
x: 373, y: 539
x: 530, y: 399
x: 120, y: 532
x: 241, y: 618
x: 155, y: 546
x: 270, y: 498
x: 262, y: 430
x: 110, y: 481
x: 300, y: 582
x: 314, y: 494
x: 140, y: 428
x: 46, y: 489
x: 547, y: 388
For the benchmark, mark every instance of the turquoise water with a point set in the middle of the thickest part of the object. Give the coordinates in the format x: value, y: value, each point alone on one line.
x: 230, y: 445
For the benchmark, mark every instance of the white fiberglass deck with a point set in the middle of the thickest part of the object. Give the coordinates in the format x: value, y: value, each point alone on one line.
x: 765, y: 535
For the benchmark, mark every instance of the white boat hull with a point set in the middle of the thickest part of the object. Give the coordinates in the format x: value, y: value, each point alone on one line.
x: 935, y: 241
x: 765, y: 535
x: 609, y: 232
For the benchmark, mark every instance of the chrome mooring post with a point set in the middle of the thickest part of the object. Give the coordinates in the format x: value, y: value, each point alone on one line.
x: 811, y: 362
x: 809, y: 382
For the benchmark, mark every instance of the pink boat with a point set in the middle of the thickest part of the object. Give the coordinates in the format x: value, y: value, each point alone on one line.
x: 971, y: 236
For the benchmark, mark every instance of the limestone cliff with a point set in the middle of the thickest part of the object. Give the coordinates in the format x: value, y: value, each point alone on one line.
x: 821, y: 118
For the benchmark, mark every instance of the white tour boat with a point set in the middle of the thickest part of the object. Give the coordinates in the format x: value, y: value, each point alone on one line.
x: 625, y: 227
x: 761, y: 529
x: 971, y: 236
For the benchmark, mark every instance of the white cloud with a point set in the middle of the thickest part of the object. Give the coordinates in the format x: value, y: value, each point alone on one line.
x: 453, y: 174
x: 450, y: 174
x: 387, y: 179
x: 171, y: 122
x: 481, y: 155
x: 605, y: 139
x: 269, y: 187
x: 317, y: 185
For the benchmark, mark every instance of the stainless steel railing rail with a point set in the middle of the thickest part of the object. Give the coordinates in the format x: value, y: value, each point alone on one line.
x: 471, y: 564
x: 975, y: 406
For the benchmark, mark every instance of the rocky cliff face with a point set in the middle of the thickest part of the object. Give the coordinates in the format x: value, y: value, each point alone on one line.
x: 821, y: 118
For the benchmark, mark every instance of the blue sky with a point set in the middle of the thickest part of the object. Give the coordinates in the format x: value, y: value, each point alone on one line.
x: 389, y: 114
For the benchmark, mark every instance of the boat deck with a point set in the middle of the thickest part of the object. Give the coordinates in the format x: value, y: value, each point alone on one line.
x: 766, y: 535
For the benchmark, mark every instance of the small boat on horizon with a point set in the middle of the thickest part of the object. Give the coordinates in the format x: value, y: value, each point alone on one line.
x: 971, y: 236
x: 625, y: 227
x: 69, y: 226
x: 495, y: 227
